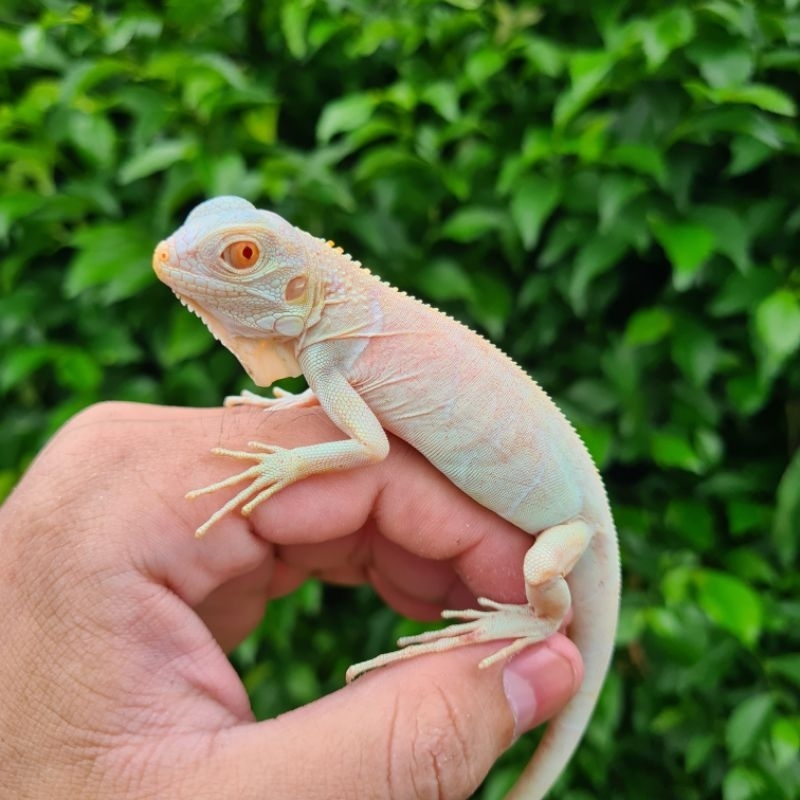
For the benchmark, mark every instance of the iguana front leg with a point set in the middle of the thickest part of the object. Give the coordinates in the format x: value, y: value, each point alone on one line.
x: 275, y: 468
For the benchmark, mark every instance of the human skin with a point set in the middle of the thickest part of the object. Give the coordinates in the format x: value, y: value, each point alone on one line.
x: 116, y: 620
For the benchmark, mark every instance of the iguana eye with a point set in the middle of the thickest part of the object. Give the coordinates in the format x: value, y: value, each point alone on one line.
x: 241, y: 255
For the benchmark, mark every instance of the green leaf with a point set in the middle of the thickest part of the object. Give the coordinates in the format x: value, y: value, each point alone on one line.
x: 721, y: 121
x: 77, y: 370
x: 785, y: 666
x: 597, y: 256
x: 687, y: 245
x: 17, y: 205
x: 672, y: 450
x: 534, y: 199
x: 698, y: 752
x: 747, y: 517
x: 566, y: 234
x: 599, y: 441
x: 738, y: 18
x: 344, y: 115
x: 747, y: 154
x: 261, y: 123
x: 444, y: 279
x: 226, y: 174
x: 786, y: 522
x: 443, y: 96
x: 750, y: 565
x: 723, y: 64
x: 472, y: 223
x: 644, y: 159
x: 483, y: 64
x: 94, y: 137
x: 381, y: 160
x: 494, y: 303
x: 755, y: 94
x: 748, y: 393
x: 747, y: 725
x: 465, y: 5
x: 744, y: 783
x: 730, y: 236
x: 785, y: 741
x: 10, y: 48
x: 740, y: 293
x: 546, y: 56
x: 615, y: 192
x: 693, y: 522
x: 125, y: 29
x: 731, y: 604
x: 777, y: 323
x: 294, y: 24
x: 187, y: 337
x: 696, y: 351
x: 19, y: 364
x: 588, y: 71
x: 114, y: 257
x: 664, y: 33
x: 647, y: 326
x: 156, y: 158
x: 765, y: 97
x: 670, y: 627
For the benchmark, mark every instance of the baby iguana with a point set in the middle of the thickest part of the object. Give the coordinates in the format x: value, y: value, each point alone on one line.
x: 286, y: 303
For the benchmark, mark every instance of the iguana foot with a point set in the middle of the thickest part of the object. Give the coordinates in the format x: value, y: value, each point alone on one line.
x: 275, y: 468
x: 500, y: 621
x: 281, y: 399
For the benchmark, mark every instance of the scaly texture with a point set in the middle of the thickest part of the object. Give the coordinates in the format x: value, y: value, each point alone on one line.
x: 285, y: 303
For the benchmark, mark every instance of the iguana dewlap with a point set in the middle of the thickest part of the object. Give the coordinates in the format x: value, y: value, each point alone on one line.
x: 285, y: 303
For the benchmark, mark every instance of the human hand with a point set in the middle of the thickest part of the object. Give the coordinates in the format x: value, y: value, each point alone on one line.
x: 113, y: 678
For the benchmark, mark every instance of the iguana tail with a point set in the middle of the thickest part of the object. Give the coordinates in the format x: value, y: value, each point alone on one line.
x: 594, y: 586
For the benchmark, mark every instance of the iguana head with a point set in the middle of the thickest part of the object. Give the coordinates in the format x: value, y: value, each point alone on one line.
x: 243, y: 271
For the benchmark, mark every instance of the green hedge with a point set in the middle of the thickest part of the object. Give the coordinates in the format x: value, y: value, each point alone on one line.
x: 609, y: 190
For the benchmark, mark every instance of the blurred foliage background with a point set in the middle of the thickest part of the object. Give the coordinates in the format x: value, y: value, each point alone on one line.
x: 609, y: 190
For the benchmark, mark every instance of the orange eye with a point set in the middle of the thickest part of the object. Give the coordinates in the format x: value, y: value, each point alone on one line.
x: 241, y: 255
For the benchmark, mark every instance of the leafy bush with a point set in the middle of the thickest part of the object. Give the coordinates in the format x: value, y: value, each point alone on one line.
x: 607, y: 190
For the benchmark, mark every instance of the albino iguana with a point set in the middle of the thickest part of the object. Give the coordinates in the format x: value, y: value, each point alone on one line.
x: 286, y: 303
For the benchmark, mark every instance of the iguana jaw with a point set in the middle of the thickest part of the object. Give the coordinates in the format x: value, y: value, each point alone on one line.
x: 265, y: 358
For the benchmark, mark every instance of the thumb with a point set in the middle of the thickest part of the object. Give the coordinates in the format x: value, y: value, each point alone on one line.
x: 429, y: 727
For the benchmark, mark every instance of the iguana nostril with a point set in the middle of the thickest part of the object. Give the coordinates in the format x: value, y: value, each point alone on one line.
x: 161, y: 256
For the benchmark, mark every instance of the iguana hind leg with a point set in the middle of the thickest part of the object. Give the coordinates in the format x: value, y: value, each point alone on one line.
x: 552, y: 556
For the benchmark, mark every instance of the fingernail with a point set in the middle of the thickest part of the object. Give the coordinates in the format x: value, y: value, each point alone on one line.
x: 539, y: 681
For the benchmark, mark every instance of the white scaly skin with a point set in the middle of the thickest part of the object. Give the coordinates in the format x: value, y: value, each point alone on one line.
x: 378, y: 359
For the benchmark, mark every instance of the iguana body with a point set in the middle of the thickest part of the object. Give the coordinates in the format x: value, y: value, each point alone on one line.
x: 285, y: 302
